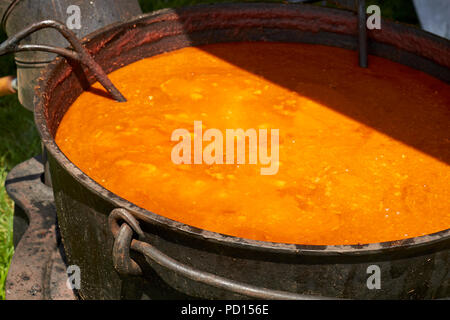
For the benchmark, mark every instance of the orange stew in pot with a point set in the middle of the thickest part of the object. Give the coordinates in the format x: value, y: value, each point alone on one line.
x: 363, y: 154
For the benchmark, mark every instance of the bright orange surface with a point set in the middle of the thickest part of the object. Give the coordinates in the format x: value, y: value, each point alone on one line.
x: 364, y: 153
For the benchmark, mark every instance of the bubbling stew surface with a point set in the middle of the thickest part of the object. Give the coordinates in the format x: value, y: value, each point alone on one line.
x: 363, y: 153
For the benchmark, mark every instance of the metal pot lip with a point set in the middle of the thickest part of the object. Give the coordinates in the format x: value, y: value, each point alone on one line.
x: 406, y: 245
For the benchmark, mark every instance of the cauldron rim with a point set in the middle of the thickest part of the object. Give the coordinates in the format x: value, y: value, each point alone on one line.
x: 228, y: 240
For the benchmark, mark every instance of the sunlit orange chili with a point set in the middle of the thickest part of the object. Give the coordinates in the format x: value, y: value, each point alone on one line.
x: 363, y: 156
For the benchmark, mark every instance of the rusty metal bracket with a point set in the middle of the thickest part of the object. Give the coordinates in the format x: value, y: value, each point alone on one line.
x: 38, y: 269
x: 79, y: 53
x: 126, y: 266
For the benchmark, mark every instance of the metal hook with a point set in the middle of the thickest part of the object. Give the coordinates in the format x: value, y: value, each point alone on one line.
x: 79, y: 53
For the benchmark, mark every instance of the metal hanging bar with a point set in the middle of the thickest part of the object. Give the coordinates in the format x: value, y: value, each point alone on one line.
x: 79, y: 53
x: 362, y: 34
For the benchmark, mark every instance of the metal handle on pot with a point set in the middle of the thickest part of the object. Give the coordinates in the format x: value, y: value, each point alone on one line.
x: 79, y: 53
x: 125, y: 265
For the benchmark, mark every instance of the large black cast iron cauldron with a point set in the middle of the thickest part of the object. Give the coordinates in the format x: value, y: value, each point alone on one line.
x: 173, y: 260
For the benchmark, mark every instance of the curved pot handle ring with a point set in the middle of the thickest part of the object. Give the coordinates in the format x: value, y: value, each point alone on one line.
x: 126, y: 266
x: 79, y: 53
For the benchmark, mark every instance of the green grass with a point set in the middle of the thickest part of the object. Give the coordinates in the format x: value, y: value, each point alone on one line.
x: 6, y: 248
x: 19, y: 139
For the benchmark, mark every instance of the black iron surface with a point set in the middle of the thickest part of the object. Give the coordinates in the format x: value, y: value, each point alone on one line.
x: 414, y: 268
x: 125, y: 265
